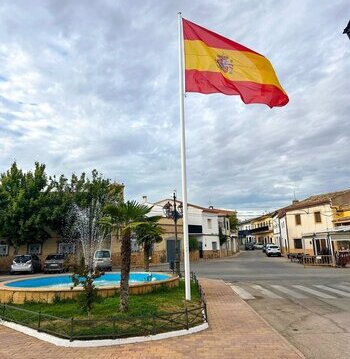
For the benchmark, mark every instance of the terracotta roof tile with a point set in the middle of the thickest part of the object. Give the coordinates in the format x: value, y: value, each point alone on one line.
x: 312, y: 201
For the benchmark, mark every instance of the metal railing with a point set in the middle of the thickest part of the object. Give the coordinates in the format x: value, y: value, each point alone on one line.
x: 112, y: 327
x: 319, y: 260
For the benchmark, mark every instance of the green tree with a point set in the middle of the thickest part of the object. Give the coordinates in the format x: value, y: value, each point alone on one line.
x: 222, y: 237
x: 124, y: 218
x: 147, y: 235
x: 90, y: 198
x: 193, y: 243
x: 24, y: 205
x: 78, y: 205
x: 233, y: 221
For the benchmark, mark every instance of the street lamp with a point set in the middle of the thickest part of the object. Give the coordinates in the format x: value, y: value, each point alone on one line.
x: 347, y: 30
x: 175, y: 213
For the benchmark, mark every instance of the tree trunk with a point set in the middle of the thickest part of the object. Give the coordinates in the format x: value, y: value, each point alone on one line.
x: 16, y: 248
x: 125, y: 272
x: 146, y: 257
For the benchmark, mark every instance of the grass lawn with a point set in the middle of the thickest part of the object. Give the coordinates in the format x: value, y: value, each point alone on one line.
x: 156, y: 312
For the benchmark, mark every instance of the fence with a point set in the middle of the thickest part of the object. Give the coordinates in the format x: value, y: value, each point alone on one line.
x: 319, y: 260
x: 109, y: 328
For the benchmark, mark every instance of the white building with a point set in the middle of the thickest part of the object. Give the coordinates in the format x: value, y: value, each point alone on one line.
x: 203, y: 223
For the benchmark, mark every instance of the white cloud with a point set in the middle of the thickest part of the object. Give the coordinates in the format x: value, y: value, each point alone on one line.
x: 85, y: 87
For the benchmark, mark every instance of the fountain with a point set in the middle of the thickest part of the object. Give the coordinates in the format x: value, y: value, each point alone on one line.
x: 83, y: 226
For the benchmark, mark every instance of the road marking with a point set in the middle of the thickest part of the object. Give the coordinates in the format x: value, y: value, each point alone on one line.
x: 336, y: 291
x: 344, y: 287
x: 266, y: 292
x: 242, y: 293
x: 290, y: 292
x: 314, y: 292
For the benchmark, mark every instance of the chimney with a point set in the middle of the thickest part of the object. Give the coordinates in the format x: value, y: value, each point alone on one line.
x: 295, y: 201
x: 211, y: 207
x: 144, y: 199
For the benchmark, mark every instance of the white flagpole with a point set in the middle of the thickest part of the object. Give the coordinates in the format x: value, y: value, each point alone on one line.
x: 183, y: 161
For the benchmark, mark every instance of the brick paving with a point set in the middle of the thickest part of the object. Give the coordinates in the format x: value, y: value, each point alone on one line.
x: 236, y: 331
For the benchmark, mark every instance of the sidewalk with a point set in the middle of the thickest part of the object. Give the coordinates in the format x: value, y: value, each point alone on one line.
x: 235, y: 331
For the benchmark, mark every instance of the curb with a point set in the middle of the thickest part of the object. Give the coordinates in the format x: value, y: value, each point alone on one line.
x: 102, y: 342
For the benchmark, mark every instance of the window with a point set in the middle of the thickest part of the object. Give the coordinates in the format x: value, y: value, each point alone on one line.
x: 227, y: 225
x: 4, y: 250
x: 297, y: 219
x: 214, y: 246
x: 317, y: 217
x: 193, y: 228
x: 102, y: 254
x: 66, y: 248
x: 298, y: 244
x: 209, y: 223
x: 34, y: 248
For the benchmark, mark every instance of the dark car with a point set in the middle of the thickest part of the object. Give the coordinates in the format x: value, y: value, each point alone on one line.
x: 55, y: 263
x: 25, y: 263
x: 249, y: 246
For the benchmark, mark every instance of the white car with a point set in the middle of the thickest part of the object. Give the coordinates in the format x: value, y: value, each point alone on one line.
x: 273, y: 250
x: 258, y: 246
x: 103, y: 260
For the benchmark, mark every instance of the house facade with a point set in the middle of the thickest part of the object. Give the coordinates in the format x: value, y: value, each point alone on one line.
x: 231, y: 245
x: 203, y: 225
x: 244, y: 232
x: 54, y: 244
x: 316, y: 225
x: 262, y: 229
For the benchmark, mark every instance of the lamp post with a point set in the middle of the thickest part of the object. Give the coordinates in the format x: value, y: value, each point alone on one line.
x: 347, y: 30
x: 175, y: 213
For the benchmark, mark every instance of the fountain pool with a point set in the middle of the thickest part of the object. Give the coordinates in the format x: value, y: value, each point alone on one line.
x: 48, y: 288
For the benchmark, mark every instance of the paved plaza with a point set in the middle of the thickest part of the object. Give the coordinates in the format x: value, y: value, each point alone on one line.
x: 236, y: 331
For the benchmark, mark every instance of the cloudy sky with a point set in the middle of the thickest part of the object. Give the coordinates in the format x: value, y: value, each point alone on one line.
x: 94, y: 84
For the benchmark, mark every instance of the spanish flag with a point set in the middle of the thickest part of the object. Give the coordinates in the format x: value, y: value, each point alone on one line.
x: 216, y: 64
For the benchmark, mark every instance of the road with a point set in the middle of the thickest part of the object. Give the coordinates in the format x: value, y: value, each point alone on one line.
x: 308, y: 306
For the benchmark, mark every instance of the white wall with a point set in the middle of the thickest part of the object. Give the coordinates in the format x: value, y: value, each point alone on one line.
x: 283, y: 232
x: 276, y: 231
x: 210, y: 235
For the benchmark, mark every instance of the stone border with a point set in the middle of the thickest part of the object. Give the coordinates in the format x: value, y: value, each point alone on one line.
x: 20, y: 295
x: 102, y: 342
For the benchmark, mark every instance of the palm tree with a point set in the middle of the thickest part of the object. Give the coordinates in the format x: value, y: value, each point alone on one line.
x: 125, y: 218
x: 146, y: 235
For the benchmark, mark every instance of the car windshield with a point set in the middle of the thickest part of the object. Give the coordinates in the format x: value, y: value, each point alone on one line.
x: 56, y: 257
x: 22, y: 259
x: 102, y: 254
x: 273, y: 247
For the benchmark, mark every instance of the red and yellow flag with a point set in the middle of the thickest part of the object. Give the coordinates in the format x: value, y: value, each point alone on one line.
x: 216, y: 64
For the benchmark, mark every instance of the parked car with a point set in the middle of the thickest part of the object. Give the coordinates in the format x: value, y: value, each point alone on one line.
x: 55, y: 263
x: 103, y: 260
x: 25, y: 263
x: 265, y: 246
x: 249, y: 246
x: 258, y: 246
x: 273, y: 250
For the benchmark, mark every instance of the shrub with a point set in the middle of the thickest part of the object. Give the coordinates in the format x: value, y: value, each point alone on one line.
x: 84, y: 276
x: 193, y: 243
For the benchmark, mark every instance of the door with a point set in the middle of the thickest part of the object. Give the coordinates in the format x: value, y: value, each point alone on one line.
x: 170, y: 249
x: 317, y: 247
x: 200, y: 249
